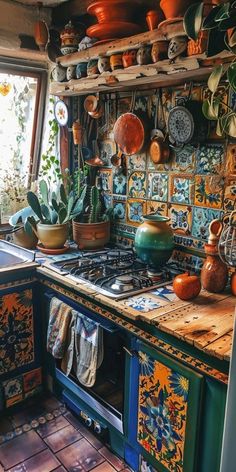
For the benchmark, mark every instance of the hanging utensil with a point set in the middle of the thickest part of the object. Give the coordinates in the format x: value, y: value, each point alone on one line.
x: 131, y: 130
x: 159, y: 148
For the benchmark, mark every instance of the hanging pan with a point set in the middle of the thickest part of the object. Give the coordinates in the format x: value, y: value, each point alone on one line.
x: 159, y: 148
x: 131, y: 130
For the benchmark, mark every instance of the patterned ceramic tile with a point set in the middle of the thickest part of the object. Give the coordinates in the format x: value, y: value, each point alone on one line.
x: 137, y: 184
x: 135, y: 210
x: 165, y: 293
x: 32, y: 379
x: 119, y: 184
x: 196, y: 93
x: 137, y: 161
x: 13, y: 387
x: 187, y: 261
x: 181, y: 189
x: 144, y: 303
x: 107, y: 149
x: 158, y: 186
x: 106, y: 180
x: 181, y: 218
x: 229, y: 202
x: 119, y: 208
x: 209, y: 158
x: 201, y: 220
x: 107, y: 200
x: 208, y: 191
x: 231, y: 159
x: 189, y: 243
x: 156, y: 207
x: 184, y: 159
x: 145, y: 467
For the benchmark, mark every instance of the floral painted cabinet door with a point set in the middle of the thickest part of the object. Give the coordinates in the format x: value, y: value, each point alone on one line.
x: 16, y: 330
x: 169, y: 398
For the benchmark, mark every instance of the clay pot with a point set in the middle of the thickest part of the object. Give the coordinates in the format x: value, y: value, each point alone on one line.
x: 77, y: 131
x: 91, y: 235
x: 23, y: 239
x: 58, y: 73
x: 129, y: 58
x: 144, y: 55
x: 70, y: 72
x: 159, y: 51
x: 154, y: 240
x: 175, y: 8
x: 52, y: 236
x: 153, y: 18
x: 108, y: 11
x: 214, y: 273
x: 103, y: 64
x: 92, y: 67
x: 116, y: 61
x: 198, y: 46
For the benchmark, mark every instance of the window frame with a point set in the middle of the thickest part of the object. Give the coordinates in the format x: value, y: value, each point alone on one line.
x: 39, y: 72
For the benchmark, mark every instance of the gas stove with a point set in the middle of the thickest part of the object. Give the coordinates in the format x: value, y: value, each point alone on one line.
x: 116, y: 273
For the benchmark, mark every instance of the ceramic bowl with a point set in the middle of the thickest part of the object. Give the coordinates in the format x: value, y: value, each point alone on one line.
x: 59, y: 73
x: 92, y: 67
x: 68, y: 50
x: 81, y: 70
x: 71, y: 72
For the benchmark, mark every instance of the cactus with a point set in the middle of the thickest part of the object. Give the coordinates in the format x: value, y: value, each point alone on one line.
x: 95, y: 205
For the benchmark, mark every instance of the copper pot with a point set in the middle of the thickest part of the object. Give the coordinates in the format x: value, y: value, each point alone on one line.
x: 130, y: 132
x: 159, y: 151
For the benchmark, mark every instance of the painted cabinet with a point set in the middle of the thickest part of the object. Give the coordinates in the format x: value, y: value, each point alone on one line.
x: 20, y: 372
x: 168, y: 411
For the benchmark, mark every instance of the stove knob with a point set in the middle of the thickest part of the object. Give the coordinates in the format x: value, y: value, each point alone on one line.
x: 88, y: 421
x: 97, y: 428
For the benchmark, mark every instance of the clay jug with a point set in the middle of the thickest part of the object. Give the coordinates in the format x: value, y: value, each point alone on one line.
x: 154, y: 240
x: 214, y: 273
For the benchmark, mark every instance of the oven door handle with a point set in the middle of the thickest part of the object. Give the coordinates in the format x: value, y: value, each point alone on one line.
x: 104, y: 323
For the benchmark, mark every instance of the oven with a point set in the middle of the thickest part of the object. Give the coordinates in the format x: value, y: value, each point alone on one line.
x: 101, y: 406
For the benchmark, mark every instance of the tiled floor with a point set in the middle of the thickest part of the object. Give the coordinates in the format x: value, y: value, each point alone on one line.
x: 45, y: 437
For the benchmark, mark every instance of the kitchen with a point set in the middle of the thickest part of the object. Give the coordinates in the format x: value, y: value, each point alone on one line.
x: 117, y: 257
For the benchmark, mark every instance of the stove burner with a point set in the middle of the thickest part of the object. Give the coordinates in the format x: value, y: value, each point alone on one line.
x: 154, y: 275
x: 123, y: 283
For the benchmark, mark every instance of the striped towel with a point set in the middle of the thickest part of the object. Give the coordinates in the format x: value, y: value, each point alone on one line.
x: 59, y: 320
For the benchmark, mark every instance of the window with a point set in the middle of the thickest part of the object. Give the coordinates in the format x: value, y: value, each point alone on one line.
x: 21, y: 116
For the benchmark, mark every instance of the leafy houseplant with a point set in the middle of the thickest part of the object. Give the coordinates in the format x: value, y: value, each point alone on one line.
x: 53, y: 211
x: 221, y: 24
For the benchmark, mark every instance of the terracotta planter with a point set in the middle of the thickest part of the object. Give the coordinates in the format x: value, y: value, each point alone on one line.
x: 21, y: 238
x: 91, y: 235
x: 52, y: 236
x: 175, y: 8
x: 153, y: 18
x: 107, y: 11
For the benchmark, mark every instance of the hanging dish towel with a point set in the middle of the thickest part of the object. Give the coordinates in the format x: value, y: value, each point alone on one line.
x: 59, y: 320
x: 88, y: 350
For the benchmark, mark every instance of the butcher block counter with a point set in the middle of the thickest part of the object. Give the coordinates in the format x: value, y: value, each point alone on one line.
x: 205, y: 322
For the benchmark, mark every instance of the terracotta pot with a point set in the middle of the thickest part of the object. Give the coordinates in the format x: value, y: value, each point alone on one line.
x: 116, y: 61
x: 103, y: 64
x: 159, y: 51
x: 23, y: 239
x: 153, y: 18
x: 129, y: 58
x: 175, y: 8
x: 52, y: 236
x: 214, y: 273
x: 91, y: 235
x: 144, y: 55
x: 107, y: 11
x: 154, y: 240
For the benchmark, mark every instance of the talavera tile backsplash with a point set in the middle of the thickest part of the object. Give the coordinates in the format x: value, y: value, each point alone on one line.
x: 197, y: 185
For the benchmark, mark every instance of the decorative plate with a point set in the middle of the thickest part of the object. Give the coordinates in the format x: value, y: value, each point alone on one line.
x: 61, y: 113
x: 180, y: 125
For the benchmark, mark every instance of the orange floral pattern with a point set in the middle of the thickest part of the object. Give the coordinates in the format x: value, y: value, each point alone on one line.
x: 16, y: 330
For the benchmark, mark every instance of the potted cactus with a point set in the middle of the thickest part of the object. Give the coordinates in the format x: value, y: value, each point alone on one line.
x: 53, y: 212
x: 91, y: 228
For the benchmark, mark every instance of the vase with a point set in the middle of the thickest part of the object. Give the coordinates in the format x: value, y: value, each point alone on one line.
x: 153, y: 18
x: 129, y: 58
x: 52, y: 236
x: 214, y: 273
x: 159, y: 51
x: 175, y: 8
x: 91, y: 235
x: 154, y: 240
x: 144, y: 55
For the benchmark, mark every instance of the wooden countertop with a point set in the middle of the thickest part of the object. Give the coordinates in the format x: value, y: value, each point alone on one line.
x: 206, y: 322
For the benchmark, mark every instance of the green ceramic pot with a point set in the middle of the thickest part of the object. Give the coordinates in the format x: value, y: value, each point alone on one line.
x: 154, y: 240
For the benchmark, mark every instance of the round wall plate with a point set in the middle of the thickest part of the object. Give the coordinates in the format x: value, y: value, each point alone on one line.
x: 61, y: 113
x: 180, y: 125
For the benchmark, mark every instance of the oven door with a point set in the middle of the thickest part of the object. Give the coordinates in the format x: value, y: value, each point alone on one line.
x: 106, y: 398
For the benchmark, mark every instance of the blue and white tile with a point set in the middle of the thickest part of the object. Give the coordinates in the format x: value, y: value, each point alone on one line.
x: 158, y: 186
x: 201, y: 220
x: 209, y: 158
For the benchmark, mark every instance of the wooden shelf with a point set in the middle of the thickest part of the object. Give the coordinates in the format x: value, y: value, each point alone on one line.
x: 164, y: 33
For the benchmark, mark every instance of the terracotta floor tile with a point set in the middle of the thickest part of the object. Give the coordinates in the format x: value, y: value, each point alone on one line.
x: 5, y: 425
x: 52, y: 426
x: 21, y: 448
x: 62, y: 438
x: 81, y: 454
x: 84, y: 431
x: 45, y: 461
x: 114, y: 460
x: 60, y: 469
x: 104, y: 467
x: 51, y: 403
